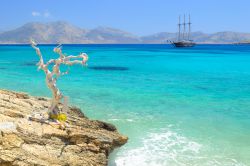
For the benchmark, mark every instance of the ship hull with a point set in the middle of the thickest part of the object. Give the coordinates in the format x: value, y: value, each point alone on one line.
x: 184, y: 44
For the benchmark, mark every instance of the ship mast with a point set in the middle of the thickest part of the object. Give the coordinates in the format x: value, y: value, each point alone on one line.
x: 189, y: 28
x: 184, y: 27
x: 179, y: 28
x: 184, y: 32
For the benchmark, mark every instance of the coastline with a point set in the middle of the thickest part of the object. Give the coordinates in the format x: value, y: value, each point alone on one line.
x: 199, y: 43
x: 26, y: 142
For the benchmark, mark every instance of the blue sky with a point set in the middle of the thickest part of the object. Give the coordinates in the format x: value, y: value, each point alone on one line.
x: 141, y: 17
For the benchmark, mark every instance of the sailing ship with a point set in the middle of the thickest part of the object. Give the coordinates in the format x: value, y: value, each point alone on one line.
x: 183, y: 39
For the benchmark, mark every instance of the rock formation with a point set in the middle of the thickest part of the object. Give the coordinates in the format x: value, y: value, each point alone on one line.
x: 27, y: 142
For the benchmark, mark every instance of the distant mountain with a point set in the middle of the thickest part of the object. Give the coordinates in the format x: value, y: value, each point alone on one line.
x: 228, y: 37
x: 158, y: 38
x: 63, y: 32
x: 200, y: 37
x: 45, y: 33
x: 111, y: 35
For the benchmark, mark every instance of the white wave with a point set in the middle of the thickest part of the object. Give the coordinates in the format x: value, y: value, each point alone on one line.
x: 129, y: 120
x: 169, y: 149
x: 121, y: 120
x: 114, y: 119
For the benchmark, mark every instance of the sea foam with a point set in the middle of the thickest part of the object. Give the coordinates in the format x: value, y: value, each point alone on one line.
x: 169, y: 148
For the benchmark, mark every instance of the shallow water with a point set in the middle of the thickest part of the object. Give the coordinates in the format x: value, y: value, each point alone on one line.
x: 177, y: 106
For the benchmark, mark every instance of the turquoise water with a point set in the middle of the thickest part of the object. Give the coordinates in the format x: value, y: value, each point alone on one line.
x: 177, y: 106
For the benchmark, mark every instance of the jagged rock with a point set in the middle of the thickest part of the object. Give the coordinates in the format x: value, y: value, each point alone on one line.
x: 28, y: 142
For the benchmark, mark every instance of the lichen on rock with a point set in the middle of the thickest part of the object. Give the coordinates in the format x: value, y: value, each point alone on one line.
x: 27, y: 142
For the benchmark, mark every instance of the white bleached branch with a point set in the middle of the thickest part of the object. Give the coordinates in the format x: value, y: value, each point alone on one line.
x: 51, y: 76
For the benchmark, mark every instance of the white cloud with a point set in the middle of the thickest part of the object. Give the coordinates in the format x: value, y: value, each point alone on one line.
x: 45, y: 14
x: 35, y: 14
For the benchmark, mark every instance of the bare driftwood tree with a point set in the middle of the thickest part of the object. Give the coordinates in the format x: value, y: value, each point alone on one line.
x: 52, y: 75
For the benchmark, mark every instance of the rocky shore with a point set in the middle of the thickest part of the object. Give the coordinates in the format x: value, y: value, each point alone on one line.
x: 27, y: 142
